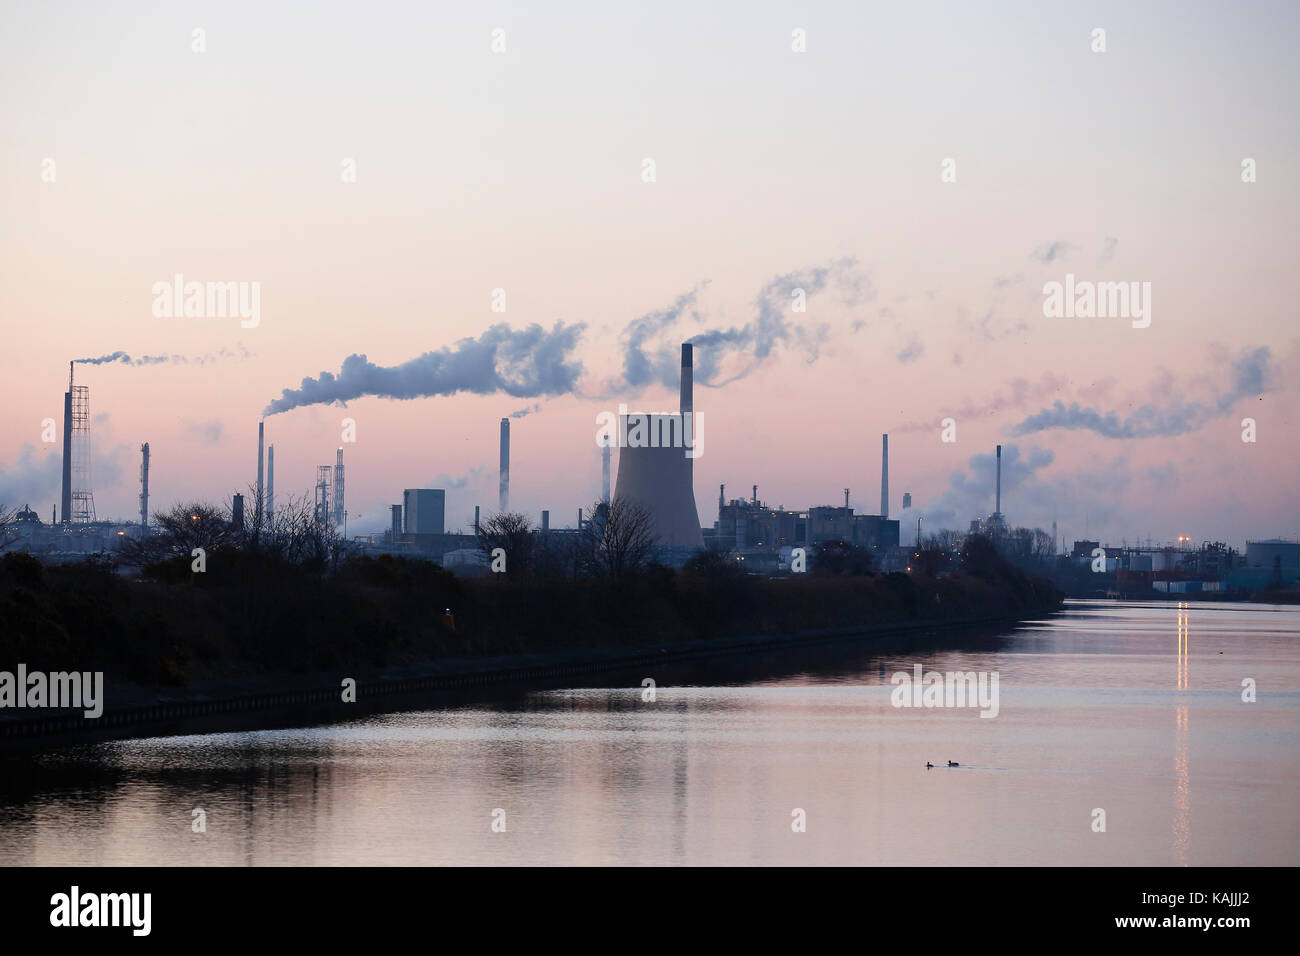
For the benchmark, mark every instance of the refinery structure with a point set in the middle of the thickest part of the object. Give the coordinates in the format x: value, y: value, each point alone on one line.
x: 656, y: 475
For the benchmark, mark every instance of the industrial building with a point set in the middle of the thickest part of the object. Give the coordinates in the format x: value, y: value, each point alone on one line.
x: 1271, y: 563
x: 424, y: 511
x: 745, y: 525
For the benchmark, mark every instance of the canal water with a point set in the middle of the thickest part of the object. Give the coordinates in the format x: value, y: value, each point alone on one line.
x: 1121, y: 737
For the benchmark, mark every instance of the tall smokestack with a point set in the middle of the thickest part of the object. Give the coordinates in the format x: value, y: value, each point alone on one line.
x: 503, y: 505
x: 270, y: 482
x: 65, y: 499
x: 338, y: 487
x: 846, y: 499
x: 998, y: 510
x: 604, y: 470
x: 476, y: 521
x: 144, y: 485
x: 722, y: 497
x: 884, y: 476
x: 756, y: 496
x: 688, y: 388
x: 258, y: 505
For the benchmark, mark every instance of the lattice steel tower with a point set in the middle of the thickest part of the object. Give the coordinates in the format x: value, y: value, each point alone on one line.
x: 324, y: 487
x: 78, y: 495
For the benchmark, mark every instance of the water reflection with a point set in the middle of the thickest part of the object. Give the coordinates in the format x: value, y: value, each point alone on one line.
x: 710, y: 771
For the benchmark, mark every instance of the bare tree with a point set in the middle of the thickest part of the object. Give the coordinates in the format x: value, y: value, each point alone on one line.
x: 8, y: 534
x: 180, y: 530
x: 514, y: 535
x: 933, y: 555
x: 294, y: 534
x: 619, y: 540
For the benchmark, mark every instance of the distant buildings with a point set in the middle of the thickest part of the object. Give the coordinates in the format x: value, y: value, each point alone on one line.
x: 424, y: 511
x: 752, y: 526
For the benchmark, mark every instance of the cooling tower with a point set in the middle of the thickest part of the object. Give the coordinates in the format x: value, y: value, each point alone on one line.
x: 658, y: 475
x: 503, y: 503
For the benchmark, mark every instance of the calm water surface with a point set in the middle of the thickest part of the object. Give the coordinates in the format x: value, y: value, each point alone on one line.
x: 1135, y: 709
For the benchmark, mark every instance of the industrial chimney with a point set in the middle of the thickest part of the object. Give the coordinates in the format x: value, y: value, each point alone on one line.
x: 884, y: 476
x: 504, y: 502
x: 338, y: 487
x: 270, y: 483
x: 998, y: 509
x: 65, y: 499
x: 258, y: 504
x: 476, y: 521
x: 144, y: 485
x: 604, y: 470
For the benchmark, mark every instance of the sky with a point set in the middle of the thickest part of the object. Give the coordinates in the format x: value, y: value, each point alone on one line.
x: 135, y: 149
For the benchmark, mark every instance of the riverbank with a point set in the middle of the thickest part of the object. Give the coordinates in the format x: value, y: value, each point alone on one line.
x: 224, y: 706
x: 253, y: 639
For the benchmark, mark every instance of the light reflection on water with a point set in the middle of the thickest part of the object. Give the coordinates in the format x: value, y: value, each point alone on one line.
x: 1097, y: 709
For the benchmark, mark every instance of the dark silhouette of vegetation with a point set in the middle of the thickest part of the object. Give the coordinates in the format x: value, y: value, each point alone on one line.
x: 934, y: 555
x: 255, y: 612
x: 291, y: 535
x: 513, y: 535
x: 841, y: 557
x: 618, y: 540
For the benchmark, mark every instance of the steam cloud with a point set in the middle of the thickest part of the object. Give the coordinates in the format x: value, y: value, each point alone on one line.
x: 525, y: 364
x: 646, y: 361
x: 1049, y: 252
x: 1252, y: 375
x: 126, y: 359
x: 534, y: 362
x: 640, y: 369
x: 971, y: 492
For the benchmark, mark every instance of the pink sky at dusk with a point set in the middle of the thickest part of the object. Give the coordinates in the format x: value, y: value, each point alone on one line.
x: 522, y: 171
